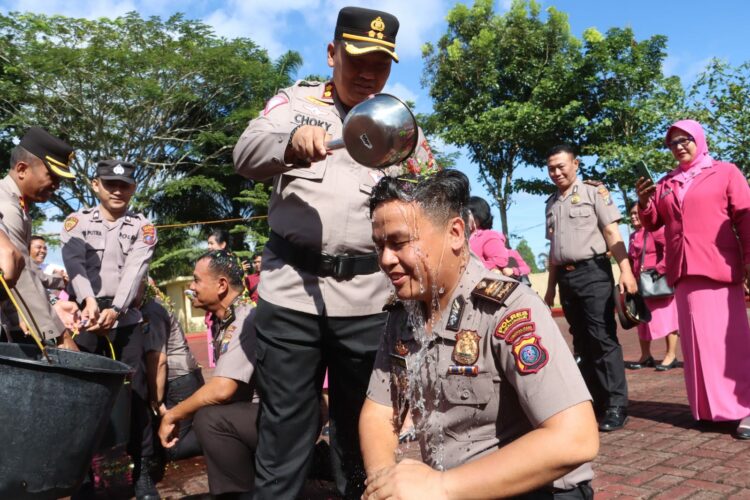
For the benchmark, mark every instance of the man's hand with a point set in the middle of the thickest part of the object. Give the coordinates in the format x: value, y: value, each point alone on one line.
x: 90, y: 312
x: 246, y: 266
x: 308, y: 145
x: 549, y: 297
x: 65, y: 341
x: 628, y: 283
x: 406, y: 480
x: 169, y: 429
x: 107, y: 319
x: 11, y: 263
x: 68, y: 313
x: 645, y: 189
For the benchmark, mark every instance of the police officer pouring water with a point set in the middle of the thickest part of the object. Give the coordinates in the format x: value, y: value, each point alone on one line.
x: 37, y: 165
x: 581, y: 225
x: 106, y: 250
x: 321, y: 291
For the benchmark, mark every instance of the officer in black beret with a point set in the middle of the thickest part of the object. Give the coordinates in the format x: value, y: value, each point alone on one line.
x: 321, y: 303
x: 37, y: 165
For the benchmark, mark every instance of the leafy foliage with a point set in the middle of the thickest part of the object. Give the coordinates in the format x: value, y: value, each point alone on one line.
x: 527, y: 254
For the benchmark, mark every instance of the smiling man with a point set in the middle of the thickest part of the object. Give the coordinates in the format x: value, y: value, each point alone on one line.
x: 499, y: 406
x: 321, y: 291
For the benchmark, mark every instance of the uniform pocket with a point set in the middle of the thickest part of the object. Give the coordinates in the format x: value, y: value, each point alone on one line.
x: 581, y: 216
x: 471, y: 412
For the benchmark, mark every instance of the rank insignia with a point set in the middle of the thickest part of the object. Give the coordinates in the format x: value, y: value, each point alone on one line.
x: 604, y: 193
x: 328, y: 91
x: 510, y: 320
x: 495, y: 290
x: 149, y: 234
x: 454, y: 317
x: 70, y: 223
x: 530, y: 355
x: 22, y: 203
x: 466, y: 350
x: 401, y: 348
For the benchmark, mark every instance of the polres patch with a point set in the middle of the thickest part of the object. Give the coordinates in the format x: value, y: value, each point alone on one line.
x: 273, y: 102
x: 520, y: 331
x: 70, y: 223
x: 149, y: 234
x: 529, y: 354
x: 510, y: 320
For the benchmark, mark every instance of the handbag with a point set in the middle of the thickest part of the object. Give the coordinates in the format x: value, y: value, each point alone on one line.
x: 651, y: 284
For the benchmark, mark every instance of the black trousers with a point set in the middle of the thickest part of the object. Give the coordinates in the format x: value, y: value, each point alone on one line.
x: 293, y: 351
x: 587, y: 300
x: 583, y: 491
x: 177, y: 391
x: 128, y: 342
x: 228, y: 435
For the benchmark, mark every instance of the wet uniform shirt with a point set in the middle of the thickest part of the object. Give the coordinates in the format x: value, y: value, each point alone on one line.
x: 107, y: 259
x: 495, y: 368
x: 575, y: 222
x: 29, y: 287
x: 234, y: 348
x: 323, y: 207
x: 164, y: 334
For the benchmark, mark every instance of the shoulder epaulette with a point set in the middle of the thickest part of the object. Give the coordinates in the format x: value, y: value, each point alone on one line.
x: 494, y: 290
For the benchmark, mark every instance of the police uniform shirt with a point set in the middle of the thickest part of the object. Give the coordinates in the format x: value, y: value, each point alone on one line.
x: 525, y: 372
x: 575, y: 222
x: 235, y: 348
x: 164, y: 334
x: 34, y: 304
x: 323, y: 207
x: 107, y: 259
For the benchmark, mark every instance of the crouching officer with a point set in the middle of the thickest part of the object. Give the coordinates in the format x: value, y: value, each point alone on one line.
x: 37, y: 165
x: 226, y: 408
x: 106, y: 251
x: 513, y: 416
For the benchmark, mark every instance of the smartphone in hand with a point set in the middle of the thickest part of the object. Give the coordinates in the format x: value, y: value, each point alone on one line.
x: 641, y: 170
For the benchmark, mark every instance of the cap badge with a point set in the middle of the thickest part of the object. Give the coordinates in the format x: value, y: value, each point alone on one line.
x: 118, y: 170
x: 377, y: 25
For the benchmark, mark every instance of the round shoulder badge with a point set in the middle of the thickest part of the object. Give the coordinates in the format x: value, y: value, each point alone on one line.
x: 70, y: 223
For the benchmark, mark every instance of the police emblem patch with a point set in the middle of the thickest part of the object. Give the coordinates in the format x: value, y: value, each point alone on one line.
x: 70, y: 223
x: 530, y: 355
x: 118, y: 170
x: 466, y: 350
x: 510, y: 320
x: 149, y: 234
x: 575, y: 199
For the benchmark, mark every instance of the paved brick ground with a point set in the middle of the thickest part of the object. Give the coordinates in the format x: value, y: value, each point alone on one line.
x: 660, y: 454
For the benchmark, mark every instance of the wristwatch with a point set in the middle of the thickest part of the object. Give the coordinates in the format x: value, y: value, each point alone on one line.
x: 117, y: 310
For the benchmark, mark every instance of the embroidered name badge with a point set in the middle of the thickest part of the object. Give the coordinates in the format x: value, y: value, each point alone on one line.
x: 149, y: 234
x: 70, y: 223
x: 510, y: 320
x: 530, y: 355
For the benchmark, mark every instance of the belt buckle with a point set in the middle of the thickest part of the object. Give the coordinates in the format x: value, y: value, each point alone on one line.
x: 328, y: 264
x: 570, y: 267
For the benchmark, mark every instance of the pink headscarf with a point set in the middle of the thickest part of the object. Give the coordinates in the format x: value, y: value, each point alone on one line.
x: 694, y: 129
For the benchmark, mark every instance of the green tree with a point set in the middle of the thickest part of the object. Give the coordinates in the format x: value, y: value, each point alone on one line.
x: 167, y: 95
x: 720, y: 99
x: 505, y: 88
x: 629, y: 104
x: 527, y: 254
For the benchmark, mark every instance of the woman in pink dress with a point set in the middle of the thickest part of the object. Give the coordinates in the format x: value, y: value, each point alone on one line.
x: 663, y: 322
x: 487, y: 244
x: 704, y: 206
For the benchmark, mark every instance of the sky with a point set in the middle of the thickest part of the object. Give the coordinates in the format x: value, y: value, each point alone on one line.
x: 696, y: 31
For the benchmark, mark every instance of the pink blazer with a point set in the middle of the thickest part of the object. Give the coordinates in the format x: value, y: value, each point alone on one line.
x: 521, y: 268
x: 700, y: 231
x: 655, y: 251
x: 490, y: 247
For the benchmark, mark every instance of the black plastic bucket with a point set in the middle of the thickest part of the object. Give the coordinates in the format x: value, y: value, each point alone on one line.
x: 52, y: 417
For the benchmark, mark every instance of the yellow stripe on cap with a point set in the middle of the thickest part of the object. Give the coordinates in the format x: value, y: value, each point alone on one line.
x: 357, y: 51
x: 368, y: 39
x: 56, y: 165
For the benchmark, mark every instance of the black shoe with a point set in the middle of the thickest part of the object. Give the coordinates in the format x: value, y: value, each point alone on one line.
x: 743, y: 430
x: 614, y: 418
x: 144, y: 486
x: 637, y: 365
x: 662, y: 367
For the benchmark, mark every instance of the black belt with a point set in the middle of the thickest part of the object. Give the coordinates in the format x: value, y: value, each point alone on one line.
x: 104, y: 302
x: 572, y: 266
x: 341, y: 267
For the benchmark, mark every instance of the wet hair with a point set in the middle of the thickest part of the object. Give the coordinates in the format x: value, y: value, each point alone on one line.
x: 221, y: 236
x: 481, y: 211
x: 442, y: 196
x: 20, y: 154
x: 223, y: 263
x: 562, y: 148
x: 36, y: 237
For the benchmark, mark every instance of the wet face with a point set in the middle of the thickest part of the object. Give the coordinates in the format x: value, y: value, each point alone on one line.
x: 562, y: 168
x: 38, y: 250
x: 206, y: 287
x: 215, y: 245
x: 635, y: 219
x: 113, y: 195
x: 257, y: 261
x: 682, y: 145
x: 418, y: 255
x: 357, y: 77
